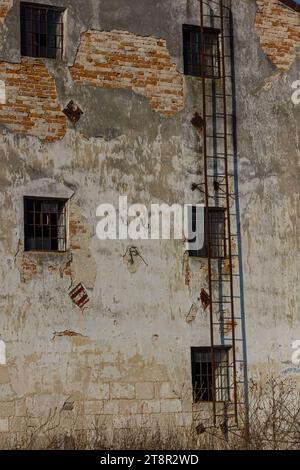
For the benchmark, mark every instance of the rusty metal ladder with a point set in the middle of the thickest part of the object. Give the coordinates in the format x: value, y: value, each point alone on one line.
x: 219, y: 145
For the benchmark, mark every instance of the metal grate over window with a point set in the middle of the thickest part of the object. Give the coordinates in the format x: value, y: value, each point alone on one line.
x: 41, y: 31
x: 201, y: 61
x: 216, y: 243
x: 202, y: 375
x: 45, y: 224
x: 217, y: 232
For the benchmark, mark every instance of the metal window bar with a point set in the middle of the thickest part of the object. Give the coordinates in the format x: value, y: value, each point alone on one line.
x: 198, y: 62
x: 41, y: 31
x: 216, y: 231
x: 202, y: 377
x: 45, y: 224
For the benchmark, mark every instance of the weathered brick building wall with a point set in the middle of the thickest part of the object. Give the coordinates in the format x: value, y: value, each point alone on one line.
x: 278, y: 27
x: 31, y: 105
x: 125, y: 359
x: 120, y: 59
x: 105, y: 60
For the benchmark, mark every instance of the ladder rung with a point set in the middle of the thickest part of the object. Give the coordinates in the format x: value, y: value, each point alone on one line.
x: 218, y: 136
x: 229, y: 318
x: 217, y: 115
x: 226, y: 415
x: 229, y: 274
x: 218, y: 96
x: 217, y: 158
x: 220, y: 176
x: 228, y: 154
x: 235, y: 340
x: 234, y: 296
x: 233, y: 275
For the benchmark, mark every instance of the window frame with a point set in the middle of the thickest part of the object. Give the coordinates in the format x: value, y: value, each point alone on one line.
x: 64, y: 201
x: 222, y: 392
x: 291, y: 4
x: 203, y: 253
x: 59, y: 51
x: 189, y: 69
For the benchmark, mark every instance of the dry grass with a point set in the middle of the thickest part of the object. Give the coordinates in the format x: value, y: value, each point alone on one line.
x: 274, y: 424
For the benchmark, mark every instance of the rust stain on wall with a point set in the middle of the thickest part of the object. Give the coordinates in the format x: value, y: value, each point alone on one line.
x: 28, y: 269
x: 228, y: 327
x: 119, y: 59
x: 191, y: 316
x: 66, y: 333
x: 187, y: 270
x: 5, y: 6
x: 83, y: 267
x: 62, y: 270
x: 31, y: 101
x: 278, y: 28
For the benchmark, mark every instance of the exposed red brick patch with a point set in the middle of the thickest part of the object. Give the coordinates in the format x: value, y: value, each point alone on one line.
x: 119, y: 59
x: 31, y: 101
x: 62, y: 270
x: 29, y: 269
x: 278, y: 27
x: 5, y: 6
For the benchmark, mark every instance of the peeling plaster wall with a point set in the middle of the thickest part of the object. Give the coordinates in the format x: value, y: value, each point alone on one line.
x: 5, y: 6
x: 278, y: 27
x: 268, y: 136
x: 125, y: 358
x: 119, y: 59
x: 31, y: 105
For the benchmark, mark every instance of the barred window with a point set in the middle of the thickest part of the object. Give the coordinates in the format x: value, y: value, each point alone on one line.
x: 217, y: 232
x: 202, y: 375
x: 201, y: 61
x: 45, y: 224
x: 41, y: 31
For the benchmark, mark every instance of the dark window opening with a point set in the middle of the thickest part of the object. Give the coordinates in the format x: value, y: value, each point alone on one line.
x: 41, y: 31
x: 217, y: 232
x: 45, y: 224
x: 202, y: 375
x: 201, y: 60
